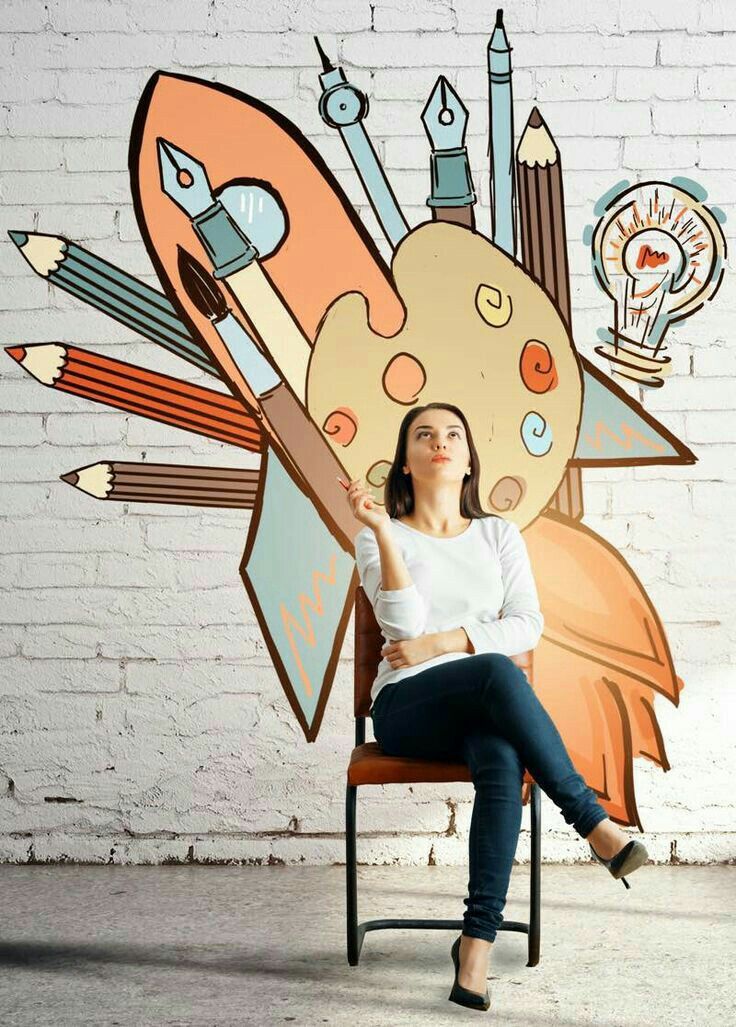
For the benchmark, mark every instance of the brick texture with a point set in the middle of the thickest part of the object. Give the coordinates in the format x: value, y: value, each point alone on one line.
x: 133, y: 676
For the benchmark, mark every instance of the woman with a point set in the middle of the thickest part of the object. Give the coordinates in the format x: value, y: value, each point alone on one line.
x: 454, y: 594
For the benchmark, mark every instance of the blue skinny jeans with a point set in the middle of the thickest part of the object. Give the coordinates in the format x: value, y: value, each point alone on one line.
x: 481, y: 710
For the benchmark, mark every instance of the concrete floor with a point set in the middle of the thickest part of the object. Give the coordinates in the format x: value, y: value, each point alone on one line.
x: 266, y: 945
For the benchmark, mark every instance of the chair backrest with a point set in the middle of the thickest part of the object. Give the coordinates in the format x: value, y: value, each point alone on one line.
x: 368, y: 643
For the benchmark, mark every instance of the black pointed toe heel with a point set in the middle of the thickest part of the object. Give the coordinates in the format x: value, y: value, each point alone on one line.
x: 463, y: 997
x: 630, y: 858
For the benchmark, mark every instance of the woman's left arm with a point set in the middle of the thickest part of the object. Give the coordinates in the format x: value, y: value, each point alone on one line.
x: 520, y: 623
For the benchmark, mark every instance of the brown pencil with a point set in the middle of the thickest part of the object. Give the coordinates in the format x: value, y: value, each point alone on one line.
x: 542, y: 212
x: 185, y: 485
x: 159, y: 397
x: 544, y: 252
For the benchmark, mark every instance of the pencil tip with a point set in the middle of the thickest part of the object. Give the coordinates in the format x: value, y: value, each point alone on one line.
x: 499, y: 18
x: 19, y: 238
x: 535, y: 118
x: 16, y: 352
x: 71, y: 478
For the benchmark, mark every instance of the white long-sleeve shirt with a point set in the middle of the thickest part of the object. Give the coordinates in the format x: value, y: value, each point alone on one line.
x: 480, y: 580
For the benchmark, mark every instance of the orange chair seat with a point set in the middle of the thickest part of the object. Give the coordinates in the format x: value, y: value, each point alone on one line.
x: 370, y: 766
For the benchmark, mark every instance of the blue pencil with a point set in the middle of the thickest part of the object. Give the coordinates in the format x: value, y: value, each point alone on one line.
x: 503, y: 188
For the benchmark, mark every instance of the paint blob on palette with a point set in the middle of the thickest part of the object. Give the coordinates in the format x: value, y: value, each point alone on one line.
x: 478, y: 332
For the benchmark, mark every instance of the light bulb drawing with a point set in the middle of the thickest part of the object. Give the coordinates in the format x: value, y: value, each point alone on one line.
x: 658, y: 253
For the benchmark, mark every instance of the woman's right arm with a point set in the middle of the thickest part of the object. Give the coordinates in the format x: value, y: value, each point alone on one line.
x: 394, y: 574
x: 397, y: 603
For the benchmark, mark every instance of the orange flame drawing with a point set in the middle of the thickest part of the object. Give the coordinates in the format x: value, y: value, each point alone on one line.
x: 602, y: 659
x: 651, y: 258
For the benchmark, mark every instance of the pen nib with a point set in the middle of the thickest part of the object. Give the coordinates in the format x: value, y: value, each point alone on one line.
x: 445, y: 117
x: 183, y: 179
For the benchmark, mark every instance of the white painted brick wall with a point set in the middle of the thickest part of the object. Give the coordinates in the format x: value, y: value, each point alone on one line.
x: 133, y: 677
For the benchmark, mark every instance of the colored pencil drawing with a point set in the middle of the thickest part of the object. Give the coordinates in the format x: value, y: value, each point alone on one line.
x: 272, y: 284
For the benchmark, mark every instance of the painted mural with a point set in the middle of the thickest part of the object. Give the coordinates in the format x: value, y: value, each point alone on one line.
x: 271, y: 284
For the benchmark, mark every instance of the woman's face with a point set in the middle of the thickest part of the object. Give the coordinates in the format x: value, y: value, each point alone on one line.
x: 434, y: 434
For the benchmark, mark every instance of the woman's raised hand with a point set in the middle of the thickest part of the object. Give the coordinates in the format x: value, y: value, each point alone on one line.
x: 364, y: 506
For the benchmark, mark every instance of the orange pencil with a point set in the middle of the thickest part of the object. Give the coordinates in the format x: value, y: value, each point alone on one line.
x: 160, y: 397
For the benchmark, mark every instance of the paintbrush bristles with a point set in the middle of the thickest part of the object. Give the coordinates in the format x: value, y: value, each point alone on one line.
x: 200, y: 287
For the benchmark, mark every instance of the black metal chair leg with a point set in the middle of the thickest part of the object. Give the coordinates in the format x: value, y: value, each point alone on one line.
x: 355, y: 938
x: 356, y: 931
x: 535, y: 877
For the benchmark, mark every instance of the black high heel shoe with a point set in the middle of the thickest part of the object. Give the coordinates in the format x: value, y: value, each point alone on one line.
x: 630, y: 858
x: 463, y: 997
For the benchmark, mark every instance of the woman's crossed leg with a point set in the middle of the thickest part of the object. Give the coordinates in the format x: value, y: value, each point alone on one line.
x: 483, y: 711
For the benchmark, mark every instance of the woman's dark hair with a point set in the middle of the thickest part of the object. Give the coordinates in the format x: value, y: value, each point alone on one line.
x: 399, y: 491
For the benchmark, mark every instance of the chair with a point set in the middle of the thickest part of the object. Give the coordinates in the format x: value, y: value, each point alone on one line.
x: 369, y: 766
